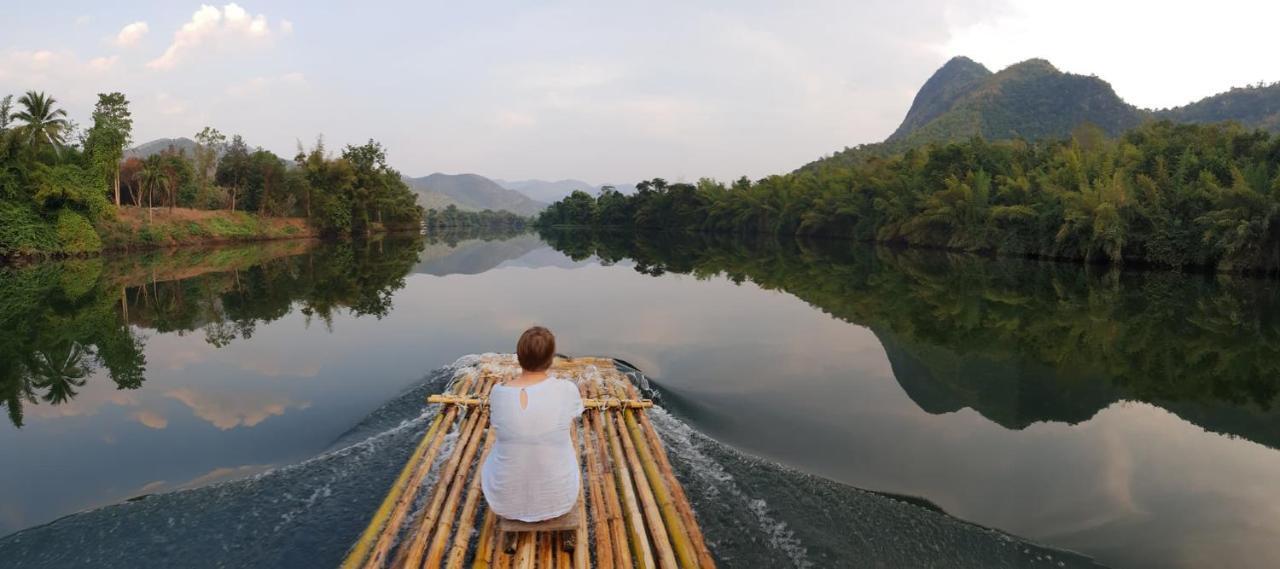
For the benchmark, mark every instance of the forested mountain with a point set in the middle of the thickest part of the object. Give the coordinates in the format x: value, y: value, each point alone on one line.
x: 959, y: 77
x: 472, y: 191
x: 1257, y: 106
x: 1034, y: 100
x: 1031, y: 100
x: 146, y: 149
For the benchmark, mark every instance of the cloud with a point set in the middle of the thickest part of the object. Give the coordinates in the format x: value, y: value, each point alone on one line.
x: 260, y: 85
x: 131, y: 34
x: 230, y: 410
x: 103, y: 63
x: 151, y: 419
x: 211, y: 26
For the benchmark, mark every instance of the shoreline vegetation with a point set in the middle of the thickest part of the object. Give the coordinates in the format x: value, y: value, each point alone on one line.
x: 1163, y: 195
x: 72, y: 192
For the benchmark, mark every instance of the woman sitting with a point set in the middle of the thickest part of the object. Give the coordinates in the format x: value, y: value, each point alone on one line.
x: 532, y: 472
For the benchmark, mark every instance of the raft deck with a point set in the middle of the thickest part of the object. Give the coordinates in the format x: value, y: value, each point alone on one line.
x: 632, y: 512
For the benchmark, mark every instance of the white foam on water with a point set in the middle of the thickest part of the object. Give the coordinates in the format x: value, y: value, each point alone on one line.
x: 680, y: 441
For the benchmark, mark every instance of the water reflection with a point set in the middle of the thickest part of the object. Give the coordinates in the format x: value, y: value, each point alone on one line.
x: 1111, y: 413
x: 1018, y: 342
x: 65, y: 320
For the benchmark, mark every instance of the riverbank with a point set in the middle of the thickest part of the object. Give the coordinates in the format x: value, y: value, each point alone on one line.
x: 134, y: 230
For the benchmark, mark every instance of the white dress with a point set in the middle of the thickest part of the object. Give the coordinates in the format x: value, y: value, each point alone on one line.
x: 532, y: 472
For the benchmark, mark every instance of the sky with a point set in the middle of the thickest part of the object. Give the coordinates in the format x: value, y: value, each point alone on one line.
x: 607, y: 92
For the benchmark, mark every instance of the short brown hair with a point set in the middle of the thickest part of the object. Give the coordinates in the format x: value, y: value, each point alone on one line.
x: 536, y: 348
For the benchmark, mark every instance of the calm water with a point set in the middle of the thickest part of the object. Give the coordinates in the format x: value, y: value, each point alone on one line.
x: 1130, y: 417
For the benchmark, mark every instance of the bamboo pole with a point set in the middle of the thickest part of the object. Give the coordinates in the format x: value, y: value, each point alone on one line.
x: 462, y: 537
x: 525, y: 554
x: 644, y: 490
x: 484, y: 546
x: 410, y: 554
x: 376, y: 539
x: 617, y: 529
x: 677, y: 491
x: 579, y: 557
x: 435, y: 550
x: 501, y: 559
x: 546, y: 543
x: 684, y: 549
x: 635, y: 520
x: 599, y: 513
x: 588, y: 403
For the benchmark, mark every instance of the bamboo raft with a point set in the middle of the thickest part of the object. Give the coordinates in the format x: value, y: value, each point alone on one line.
x: 631, y: 512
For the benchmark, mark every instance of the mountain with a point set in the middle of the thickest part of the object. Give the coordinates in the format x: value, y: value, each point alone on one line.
x: 472, y: 191
x: 1035, y: 100
x: 160, y: 145
x: 543, y: 190
x: 1031, y: 100
x: 957, y: 78
x: 1257, y: 106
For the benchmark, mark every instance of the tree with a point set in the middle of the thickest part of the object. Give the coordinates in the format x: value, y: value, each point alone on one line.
x: 234, y: 168
x: 209, y: 145
x: 45, y: 124
x: 6, y: 112
x: 110, y: 133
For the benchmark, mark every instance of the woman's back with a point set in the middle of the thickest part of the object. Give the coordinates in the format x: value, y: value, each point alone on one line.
x: 532, y: 473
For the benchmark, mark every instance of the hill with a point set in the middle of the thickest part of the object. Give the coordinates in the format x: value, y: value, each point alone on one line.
x: 160, y: 145
x: 1035, y: 100
x: 1256, y: 106
x: 1031, y: 100
x: 472, y: 191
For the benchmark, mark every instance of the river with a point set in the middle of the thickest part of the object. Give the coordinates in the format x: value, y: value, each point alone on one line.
x: 827, y: 403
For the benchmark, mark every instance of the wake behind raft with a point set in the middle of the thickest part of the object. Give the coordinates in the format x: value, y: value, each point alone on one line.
x: 632, y: 512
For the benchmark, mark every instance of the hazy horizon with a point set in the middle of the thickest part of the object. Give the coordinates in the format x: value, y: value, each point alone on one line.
x: 605, y: 94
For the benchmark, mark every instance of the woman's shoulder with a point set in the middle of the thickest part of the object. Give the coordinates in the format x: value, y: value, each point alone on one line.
x: 564, y: 384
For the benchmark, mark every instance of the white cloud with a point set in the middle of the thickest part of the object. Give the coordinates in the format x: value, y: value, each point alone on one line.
x: 131, y: 34
x: 103, y: 63
x: 211, y: 26
x: 261, y: 85
x: 286, y: 27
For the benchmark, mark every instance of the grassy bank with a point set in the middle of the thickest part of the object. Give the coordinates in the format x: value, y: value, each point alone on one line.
x: 132, y: 229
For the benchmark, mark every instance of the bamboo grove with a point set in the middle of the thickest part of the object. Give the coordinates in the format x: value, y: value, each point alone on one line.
x: 1168, y: 195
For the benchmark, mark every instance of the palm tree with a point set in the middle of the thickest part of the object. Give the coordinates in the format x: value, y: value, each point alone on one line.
x: 59, y: 372
x: 149, y: 177
x: 45, y: 124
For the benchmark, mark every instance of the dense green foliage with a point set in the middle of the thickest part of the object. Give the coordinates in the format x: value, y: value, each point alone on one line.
x: 453, y: 218
x: 56, y: 182
x: 62, y: 320
x: 1019, y: 341
x: 1163, y: 194
x: 50, y: 190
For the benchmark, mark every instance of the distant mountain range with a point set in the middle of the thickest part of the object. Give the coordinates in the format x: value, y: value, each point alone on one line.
x: 543, y: 190
x: 1035, y: 100
x: 473, y: 191
x: 160, y: 145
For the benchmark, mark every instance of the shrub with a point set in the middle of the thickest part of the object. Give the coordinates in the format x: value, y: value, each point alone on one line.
x: 75, y: 234
x: 23, y: 231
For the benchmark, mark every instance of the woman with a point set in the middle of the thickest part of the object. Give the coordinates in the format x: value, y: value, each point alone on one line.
x: 532, y: 472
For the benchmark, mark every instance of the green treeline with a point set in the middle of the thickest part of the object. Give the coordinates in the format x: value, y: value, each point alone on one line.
x: 1019, y: 341
x: 1166, y: 195
x: 487, y: 220
x: 65, y: 320
x: 58, y: 182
